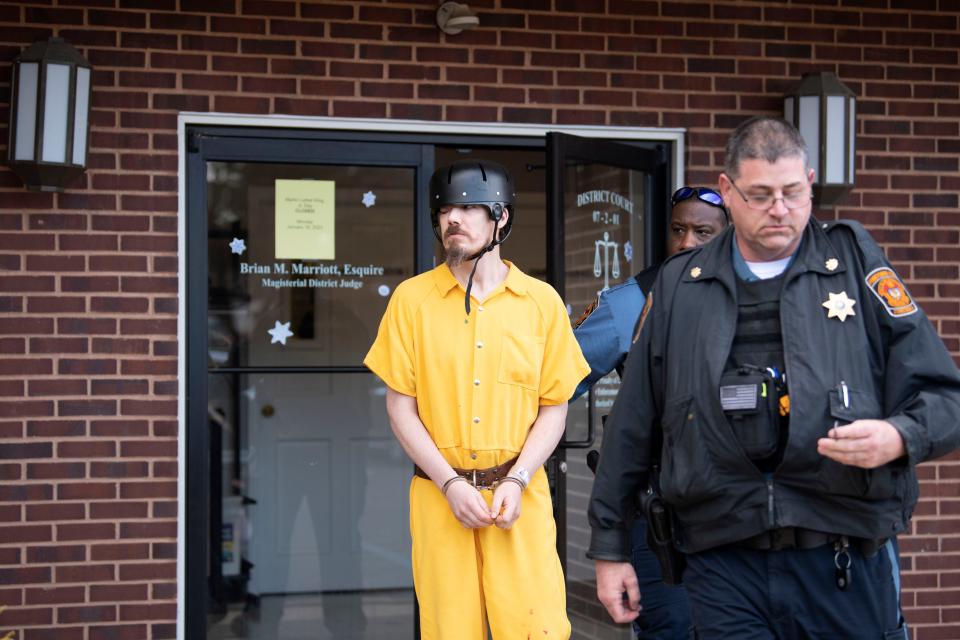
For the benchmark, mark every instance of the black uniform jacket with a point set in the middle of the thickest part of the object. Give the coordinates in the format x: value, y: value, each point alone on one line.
x: 890, y: 359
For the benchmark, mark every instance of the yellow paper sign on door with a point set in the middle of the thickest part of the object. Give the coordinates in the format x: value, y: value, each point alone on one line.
x: 305, y: 220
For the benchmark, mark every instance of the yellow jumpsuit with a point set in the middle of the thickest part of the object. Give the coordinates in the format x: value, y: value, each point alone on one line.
x: 479, y: 382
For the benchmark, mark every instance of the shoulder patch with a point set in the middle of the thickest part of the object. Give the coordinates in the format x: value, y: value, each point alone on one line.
x: 643, y: 315
x: 889, y: 289
x: 586, y: 312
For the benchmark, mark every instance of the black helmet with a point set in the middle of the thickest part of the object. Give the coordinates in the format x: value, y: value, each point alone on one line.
x: 472, y: 182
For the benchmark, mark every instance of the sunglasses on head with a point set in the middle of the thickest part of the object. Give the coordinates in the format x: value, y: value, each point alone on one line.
x: 703, y: 194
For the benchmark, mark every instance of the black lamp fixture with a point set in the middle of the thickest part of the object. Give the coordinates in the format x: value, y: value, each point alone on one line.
x: 49, y: 115
x: 824, y: 110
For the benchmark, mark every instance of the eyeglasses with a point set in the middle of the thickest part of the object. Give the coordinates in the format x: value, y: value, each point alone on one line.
x: 764, y: 201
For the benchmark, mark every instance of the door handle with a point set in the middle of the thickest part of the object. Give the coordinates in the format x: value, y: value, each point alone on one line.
x: 587, y: 442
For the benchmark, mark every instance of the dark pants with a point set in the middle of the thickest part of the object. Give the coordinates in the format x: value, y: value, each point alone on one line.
x: 665, y: 613
x: 792, y: 594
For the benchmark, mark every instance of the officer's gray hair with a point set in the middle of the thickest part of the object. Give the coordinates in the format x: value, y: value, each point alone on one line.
x: 763, y: 138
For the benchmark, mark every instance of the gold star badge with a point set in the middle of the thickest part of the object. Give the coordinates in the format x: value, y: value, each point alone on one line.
x: 832, y: 264
x: 695, y: 272
x: 840, y: 306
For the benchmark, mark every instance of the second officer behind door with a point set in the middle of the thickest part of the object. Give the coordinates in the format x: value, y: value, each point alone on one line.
x: 605, y: 333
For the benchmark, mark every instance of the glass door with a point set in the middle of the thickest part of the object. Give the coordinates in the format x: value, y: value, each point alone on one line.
x: 607, y: 203
x: 294, y: 247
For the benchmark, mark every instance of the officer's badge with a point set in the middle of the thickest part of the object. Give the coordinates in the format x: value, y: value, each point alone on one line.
x: 888, y: 288
x: 695, y: 272
x: 831, y: 264
x: 586, y: 313
x: 840, y: 306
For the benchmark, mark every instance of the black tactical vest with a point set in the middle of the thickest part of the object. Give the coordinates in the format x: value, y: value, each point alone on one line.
x: 755, y: 368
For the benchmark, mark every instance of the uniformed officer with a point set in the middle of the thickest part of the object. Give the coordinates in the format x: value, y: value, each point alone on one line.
x: 605, y: 333
x: 479, y: 360
x: 797, y: 384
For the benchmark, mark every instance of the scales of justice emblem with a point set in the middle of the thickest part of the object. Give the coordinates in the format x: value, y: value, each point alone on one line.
x: 604, y: 267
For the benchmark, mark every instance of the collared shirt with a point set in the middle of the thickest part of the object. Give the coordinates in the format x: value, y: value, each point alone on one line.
x: 479, y: 380
x: 742, y: 269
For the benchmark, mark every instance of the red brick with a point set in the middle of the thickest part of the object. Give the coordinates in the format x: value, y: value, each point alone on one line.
x: 130, y: 407
x: 26, y: 241
x: 86, y: 326
x: 119, y: 469
x: 237, y: 25
x: 53, y: 595
x: 58, y: 387
x: 86, y: 572
x: 10, y: 346
x: 86, y: 491
x: 59, y: 632
x: 25, y: 575
x: 25, y: 617
x: 10, y: 472
x: 118, y: 592
x: 120, y: 551
x: 25, y: 492
x: 58, y: 553
x: 73, y: 284
x: 55, y: 470
x: 148, y: 449
x: 163, y: 509
x: 148, y: 571
x: 86, y: 613
x: 119, y: 428
x: 115, y: 510
x: 120, y: 346
x: 164, y: 591
x: 87, y: 407
x: 140, y: 490
x: 26, y: 533
x: 11, y: 388
x: 69, y: 366
x: 86, y: 449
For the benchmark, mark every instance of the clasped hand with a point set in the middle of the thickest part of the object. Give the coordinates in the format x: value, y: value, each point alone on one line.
x: 472, y: 511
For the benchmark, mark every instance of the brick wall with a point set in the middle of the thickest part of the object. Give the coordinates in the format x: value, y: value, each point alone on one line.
x: 88, y: 288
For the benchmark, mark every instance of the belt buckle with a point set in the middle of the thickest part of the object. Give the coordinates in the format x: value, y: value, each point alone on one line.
x: 479, y: 487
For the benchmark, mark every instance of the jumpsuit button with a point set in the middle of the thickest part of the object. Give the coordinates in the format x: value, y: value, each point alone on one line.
x: 479, y: 308
x: 476, y: 382
x: 476, y: 420
x: 479, y: 344
x: 473, y: 456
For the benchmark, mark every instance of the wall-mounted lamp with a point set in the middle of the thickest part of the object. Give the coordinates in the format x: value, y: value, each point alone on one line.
x: 453, y: 17
x: 49, y: 115
x: 824, y: 110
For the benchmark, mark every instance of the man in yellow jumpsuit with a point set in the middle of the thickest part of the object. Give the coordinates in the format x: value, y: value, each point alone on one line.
x: 479, y: 361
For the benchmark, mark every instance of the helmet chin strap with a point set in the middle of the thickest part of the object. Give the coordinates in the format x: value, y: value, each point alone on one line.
x: 476, y: 261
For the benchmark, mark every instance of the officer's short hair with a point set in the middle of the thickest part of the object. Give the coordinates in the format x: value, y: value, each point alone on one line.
x: 763, y: 138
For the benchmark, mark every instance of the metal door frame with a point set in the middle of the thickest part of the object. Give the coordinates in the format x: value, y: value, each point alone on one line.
x: 652, y: 159
x: 196, y: 135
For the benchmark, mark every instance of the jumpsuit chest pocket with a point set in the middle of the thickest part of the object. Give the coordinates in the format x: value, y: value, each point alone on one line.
x: 520, y: 360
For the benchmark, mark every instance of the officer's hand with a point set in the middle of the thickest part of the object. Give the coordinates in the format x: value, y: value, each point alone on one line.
x: 505, y: 508
x: 863, y: 443
x: 613, y: 579
x: 468, y: 506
